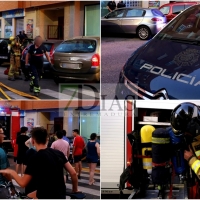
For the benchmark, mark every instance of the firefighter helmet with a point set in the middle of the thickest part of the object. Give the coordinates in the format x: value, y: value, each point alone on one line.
x: 11, y: 38
x: 186, y: 118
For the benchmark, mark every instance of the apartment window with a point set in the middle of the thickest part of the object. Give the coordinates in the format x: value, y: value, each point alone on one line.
x: 92, y: 20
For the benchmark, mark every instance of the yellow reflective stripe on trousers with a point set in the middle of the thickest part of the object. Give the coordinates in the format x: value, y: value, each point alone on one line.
x: 160, y: 140
x: 197, y: 153
x: 196, y: 166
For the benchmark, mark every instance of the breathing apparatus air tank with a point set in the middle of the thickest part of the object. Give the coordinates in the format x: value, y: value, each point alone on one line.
x: 161, y: 152
x: 177, y: 153
x: 146, y: 138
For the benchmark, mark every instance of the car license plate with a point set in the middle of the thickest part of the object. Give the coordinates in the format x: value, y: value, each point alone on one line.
x: 70, y: 66
x: 3, y: 57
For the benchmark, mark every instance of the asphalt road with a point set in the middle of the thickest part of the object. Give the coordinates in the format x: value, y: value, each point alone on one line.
x: 49, y: 89
x: 114, y: 53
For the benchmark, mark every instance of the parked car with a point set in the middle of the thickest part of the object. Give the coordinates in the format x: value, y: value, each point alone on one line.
x: 168, y: 66
x: 170, y: 10
x: 141, y: 21
x: 77, y: 58
x: 50, y: 46
x: 5, y: 51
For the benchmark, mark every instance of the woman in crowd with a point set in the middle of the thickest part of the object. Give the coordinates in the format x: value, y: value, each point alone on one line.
x: 93, y: 154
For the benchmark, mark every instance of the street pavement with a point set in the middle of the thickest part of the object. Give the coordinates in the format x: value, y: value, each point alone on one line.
x: 91, y: 191
x: 115, y: 51
x: 49, y: 89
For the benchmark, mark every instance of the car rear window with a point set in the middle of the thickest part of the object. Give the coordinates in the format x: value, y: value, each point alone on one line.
x: 157, y: 12
x: 77, y: 46
x: 48, y: 46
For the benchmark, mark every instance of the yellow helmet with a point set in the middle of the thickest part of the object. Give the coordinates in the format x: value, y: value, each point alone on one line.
x: 11, y: 38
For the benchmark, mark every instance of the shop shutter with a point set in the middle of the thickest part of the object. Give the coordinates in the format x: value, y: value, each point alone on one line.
x: 19, y: 25
x: 112, y: 144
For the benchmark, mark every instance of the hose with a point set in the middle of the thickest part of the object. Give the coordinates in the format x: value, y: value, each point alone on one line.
x: 4, y: 94
x: 16, y: 92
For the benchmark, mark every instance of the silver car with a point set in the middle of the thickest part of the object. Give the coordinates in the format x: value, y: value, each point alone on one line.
x: 141, y: 21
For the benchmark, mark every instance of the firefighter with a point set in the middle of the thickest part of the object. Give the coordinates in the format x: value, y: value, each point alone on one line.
x: 185, y: 118
x: 35, y: 54
x: 15, y: 54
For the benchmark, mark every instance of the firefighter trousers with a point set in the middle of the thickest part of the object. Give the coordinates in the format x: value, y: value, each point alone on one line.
x: 36, y: 75
x: 14, y: 70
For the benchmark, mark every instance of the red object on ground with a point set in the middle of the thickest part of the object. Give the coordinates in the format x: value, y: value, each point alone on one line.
x: 6, y: 71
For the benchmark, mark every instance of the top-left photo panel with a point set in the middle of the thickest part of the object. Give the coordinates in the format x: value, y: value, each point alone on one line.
x: 50, y: 50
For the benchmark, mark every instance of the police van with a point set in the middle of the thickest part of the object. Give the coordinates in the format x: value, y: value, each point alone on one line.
x: 119, y: 118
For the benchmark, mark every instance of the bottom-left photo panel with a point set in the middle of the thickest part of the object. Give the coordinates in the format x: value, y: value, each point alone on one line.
x: 50, y: 149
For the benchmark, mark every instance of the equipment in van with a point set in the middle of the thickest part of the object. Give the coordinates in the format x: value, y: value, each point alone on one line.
x: 177, y: 158
x: 134, y: 174
x: 146, y: 137
x: 161, y: 160
x: 138, y: 173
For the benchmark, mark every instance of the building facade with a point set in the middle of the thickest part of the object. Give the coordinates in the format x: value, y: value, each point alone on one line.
x: 52, y: 115
x: 50, y: 19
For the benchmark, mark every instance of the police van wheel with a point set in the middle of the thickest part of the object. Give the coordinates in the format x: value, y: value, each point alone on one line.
x: 143, y: 32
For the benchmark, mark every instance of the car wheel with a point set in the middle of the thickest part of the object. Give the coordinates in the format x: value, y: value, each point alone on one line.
x: 143, y: 32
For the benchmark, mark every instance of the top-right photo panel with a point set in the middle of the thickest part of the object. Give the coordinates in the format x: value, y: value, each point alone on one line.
x: 150, y: 49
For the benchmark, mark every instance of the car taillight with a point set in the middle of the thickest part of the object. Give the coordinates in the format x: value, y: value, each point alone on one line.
x: 155, y: 19
x: 95, y: 60
x: 51, y: 54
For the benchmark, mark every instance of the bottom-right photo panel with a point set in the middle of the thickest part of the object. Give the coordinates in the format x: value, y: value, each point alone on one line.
x: 150, y: 149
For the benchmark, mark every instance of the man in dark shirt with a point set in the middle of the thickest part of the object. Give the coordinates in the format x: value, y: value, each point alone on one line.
x: 35, y: 54
x: 121, y: 4
x: 22, y: 148
x: 111, y: 6
x: 46, y: 167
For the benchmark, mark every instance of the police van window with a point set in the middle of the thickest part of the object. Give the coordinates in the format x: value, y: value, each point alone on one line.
x: 176, y: 9
x: 185, y: 26
x: 165, y: 10
x: 134, y: 13
x: 116, y: 13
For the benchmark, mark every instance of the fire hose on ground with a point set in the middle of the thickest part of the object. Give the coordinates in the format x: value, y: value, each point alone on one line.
x: 23, y: 94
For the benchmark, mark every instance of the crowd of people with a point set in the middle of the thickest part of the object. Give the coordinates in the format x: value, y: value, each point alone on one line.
x: 44, y: 163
